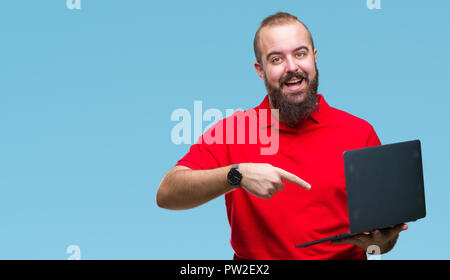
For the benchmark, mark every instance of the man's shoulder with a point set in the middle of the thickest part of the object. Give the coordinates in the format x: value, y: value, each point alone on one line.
x: 347, y: 118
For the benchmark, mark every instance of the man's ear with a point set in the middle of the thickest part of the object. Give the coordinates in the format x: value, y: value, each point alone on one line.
x: 259, y: 70
x: 315, y: 56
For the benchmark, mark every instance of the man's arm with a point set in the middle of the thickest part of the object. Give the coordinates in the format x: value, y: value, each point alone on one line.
x: 184, y: 188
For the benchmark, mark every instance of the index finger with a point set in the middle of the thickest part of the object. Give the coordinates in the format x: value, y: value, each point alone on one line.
x: 293, y: 179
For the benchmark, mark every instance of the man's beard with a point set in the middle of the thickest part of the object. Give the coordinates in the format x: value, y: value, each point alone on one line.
x: 292, y: 112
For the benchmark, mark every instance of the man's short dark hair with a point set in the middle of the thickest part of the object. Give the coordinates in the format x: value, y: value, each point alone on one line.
x: 279, y: 18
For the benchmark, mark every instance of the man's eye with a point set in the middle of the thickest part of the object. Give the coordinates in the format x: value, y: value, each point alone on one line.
x: 300, y: 54
x: 276, y: 59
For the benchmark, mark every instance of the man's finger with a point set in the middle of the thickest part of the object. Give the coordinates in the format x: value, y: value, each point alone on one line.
x: 397, y: 229
x: 293, y: 179
x: 279, y: 187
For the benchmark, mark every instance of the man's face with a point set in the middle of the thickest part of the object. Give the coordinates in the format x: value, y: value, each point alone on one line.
x: 289, y: 69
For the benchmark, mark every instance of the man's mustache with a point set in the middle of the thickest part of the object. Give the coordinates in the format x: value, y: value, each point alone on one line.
x: 290, y: 75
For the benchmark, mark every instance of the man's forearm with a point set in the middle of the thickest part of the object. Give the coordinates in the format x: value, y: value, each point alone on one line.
x: 186, y: 188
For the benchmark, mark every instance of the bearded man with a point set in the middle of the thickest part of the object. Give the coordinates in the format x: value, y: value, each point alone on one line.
x: 276, y: 201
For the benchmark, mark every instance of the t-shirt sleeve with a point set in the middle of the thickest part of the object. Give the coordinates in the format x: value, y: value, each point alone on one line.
x: 373, y: 139
x: 203, y: 155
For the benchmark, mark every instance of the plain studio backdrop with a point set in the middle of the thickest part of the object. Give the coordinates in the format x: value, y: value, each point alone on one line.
x: 86, y: 98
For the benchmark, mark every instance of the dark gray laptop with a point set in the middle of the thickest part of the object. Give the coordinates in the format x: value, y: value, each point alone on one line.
x: 384, y: 187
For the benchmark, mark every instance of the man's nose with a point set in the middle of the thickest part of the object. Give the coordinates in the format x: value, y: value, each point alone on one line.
x: 291, y: 66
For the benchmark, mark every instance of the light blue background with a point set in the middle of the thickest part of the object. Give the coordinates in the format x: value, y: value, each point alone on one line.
x: 86, y: 97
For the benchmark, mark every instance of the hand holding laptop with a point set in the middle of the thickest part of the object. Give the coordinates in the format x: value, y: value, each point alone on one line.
x: 384, y: 187
x: 383, y: 238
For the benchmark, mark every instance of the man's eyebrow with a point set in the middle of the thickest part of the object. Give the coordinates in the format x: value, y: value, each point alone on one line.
x: 271, y: 53
x: 297, y: 49
x: 302, y: 48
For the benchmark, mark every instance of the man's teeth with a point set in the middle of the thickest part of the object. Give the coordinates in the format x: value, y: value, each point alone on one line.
x: 294, y: 81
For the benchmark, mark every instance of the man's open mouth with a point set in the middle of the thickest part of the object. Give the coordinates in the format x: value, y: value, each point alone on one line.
x: 294, y: 83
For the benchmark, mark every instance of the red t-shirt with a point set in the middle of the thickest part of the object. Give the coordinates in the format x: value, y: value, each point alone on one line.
x: 270, y: 229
